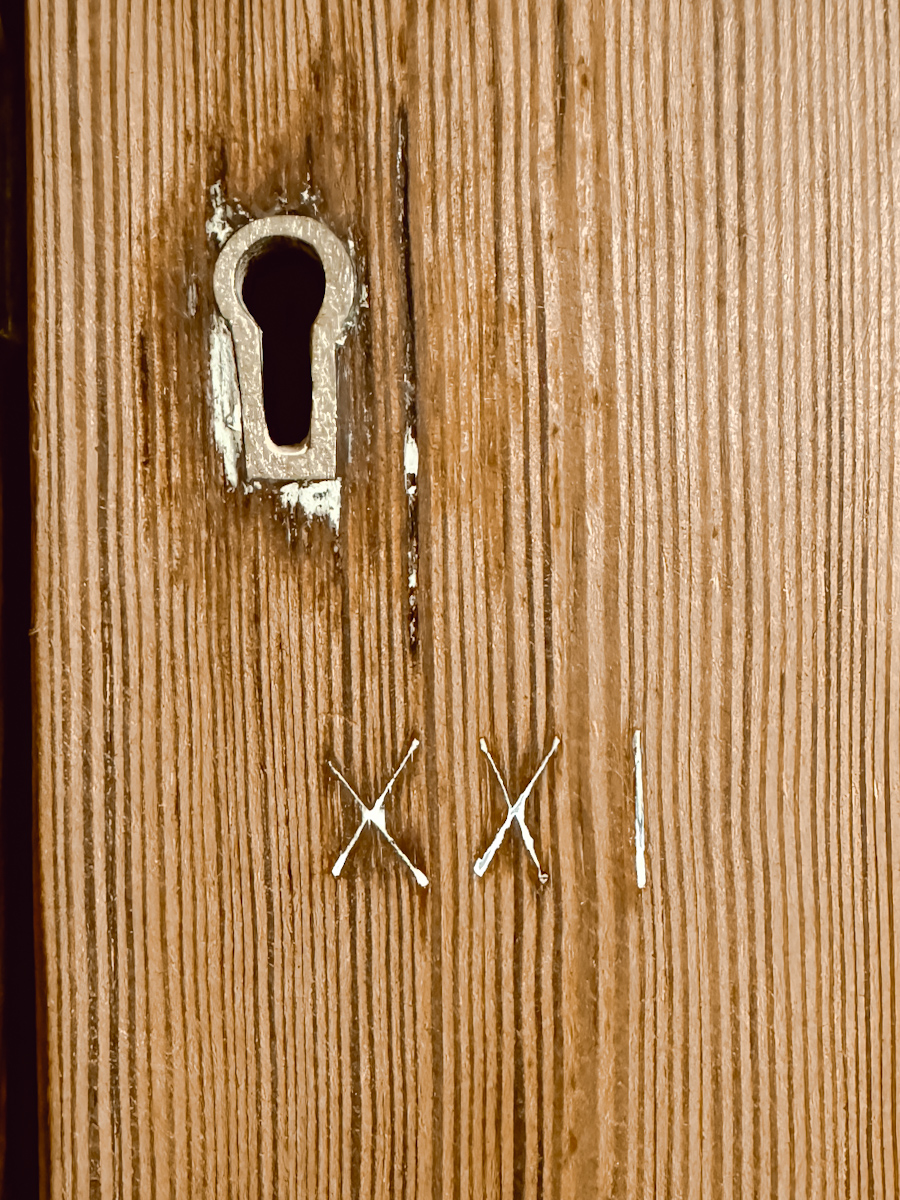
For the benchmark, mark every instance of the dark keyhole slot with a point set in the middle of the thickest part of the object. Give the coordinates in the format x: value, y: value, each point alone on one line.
x: 283, y: 290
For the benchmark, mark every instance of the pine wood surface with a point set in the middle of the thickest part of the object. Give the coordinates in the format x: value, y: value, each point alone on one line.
x: 632, y: 272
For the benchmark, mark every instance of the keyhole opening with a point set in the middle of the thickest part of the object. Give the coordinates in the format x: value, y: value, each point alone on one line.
x: 283, y: 290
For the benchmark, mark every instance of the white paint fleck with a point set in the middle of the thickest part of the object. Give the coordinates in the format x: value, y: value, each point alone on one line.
x: 411, y: 462
x: 226, y: 398
x: 192, y: 297
x: 360, y: 290
x: 315, y: 500
x: 411, y: 487
x: 310, y: 196
x: 220, y: 225
x: 640, y: 861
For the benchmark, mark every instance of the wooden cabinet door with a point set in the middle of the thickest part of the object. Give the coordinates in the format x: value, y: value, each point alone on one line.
x: 617, y: 447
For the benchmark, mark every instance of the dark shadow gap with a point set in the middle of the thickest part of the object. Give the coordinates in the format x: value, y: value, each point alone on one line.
x: 19, y: 1153
x: 283, y: 290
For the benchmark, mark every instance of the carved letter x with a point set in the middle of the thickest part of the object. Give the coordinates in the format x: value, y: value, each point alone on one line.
x: 375, y: 816
x: 516, y: 812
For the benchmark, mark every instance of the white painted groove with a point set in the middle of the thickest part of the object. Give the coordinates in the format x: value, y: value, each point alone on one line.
x: 375, y: 816
x: 640, y: 860
x: 515, y: 812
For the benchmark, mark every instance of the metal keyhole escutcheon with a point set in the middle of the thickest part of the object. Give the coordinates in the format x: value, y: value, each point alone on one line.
x: 316, y: 457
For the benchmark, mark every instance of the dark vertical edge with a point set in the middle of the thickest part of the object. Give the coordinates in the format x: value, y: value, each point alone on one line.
x: 19, y: 1148
x: 410, y: 373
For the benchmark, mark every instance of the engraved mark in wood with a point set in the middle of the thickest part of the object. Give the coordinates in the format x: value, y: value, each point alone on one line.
x: 515, y: 812
x: 640, y: 861
x: 375, y: 816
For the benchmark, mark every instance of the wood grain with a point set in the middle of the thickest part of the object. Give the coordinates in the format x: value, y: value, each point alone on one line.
x: 632, y: 272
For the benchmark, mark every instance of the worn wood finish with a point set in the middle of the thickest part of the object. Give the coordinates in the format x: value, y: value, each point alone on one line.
x: 756, y: 190
x: 633, y: 275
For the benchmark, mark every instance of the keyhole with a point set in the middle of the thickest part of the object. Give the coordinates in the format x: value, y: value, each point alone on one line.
x: 283, y: 290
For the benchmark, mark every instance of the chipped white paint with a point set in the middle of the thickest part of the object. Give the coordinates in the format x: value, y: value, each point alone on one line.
x: 375, y: 816
x: 226, y: 398
x: 315, y: 500
x: 193, y: 297
x: 360, y: 294
x: 220, y: 225
x: 515, y: 812
x: 411, y: 460
x: 640, y: 861
x: 411, y: 487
